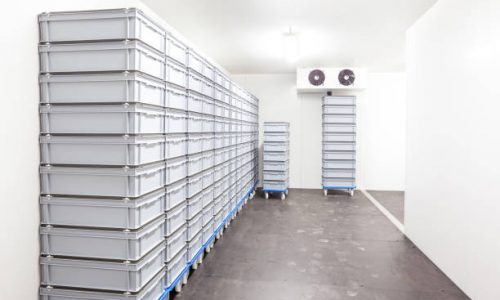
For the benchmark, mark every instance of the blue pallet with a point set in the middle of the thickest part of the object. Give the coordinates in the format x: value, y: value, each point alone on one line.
x: 210, y: 240
x: 339, y: 187
x: 275, y: 191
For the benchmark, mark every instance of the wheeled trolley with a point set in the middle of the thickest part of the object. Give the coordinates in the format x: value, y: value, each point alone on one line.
x: 275, y: 169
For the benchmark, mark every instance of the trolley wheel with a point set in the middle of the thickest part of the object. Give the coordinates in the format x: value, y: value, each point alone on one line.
x: 283, y: 196
x: 351, y: 193
x: 286, y: 193
x: 178, y: 287
x: 266, y: 195
x: 325, y: 192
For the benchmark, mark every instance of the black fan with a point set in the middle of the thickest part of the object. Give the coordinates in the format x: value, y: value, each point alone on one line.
x: 346, y: 77
x: 316, y: 77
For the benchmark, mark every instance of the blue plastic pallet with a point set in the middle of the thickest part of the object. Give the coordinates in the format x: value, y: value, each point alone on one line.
x: 210, y: 240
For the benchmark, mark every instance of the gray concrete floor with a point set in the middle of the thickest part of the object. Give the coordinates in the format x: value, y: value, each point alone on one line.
x: 316, y: 247
x: 393, y: 201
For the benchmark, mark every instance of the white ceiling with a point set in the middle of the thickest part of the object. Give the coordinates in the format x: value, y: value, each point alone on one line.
x: 246, y: 36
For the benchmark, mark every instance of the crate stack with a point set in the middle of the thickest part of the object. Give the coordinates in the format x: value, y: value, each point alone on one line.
x: 102, y: 142
x: 339, y: 143
x: 147, y: 152
x: 276, y: 153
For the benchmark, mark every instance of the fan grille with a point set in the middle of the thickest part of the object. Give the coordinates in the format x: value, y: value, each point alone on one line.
x: 347, y: 77
x: 316, y: 77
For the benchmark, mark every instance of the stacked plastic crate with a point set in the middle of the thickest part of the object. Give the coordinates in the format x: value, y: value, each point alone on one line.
x: 339, y: 143
x: 102, y: 95
x: 276, y: 152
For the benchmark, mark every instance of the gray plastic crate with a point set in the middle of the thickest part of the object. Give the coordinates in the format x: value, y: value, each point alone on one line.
x: 175, y: 97
x: 347, y: 155
x: 339, y: 146
x: 275, y: 185
x: 175, y: 266
x: 102, y: 119
x: 175, y: 121
x: 195, y: 143
x: 276, y: 137
x: 103, y: 181
x: 208, y: 142
x: 102, y: 243
x: 275, y: 175
x: 102, y: 150
x: 276, y: 147
x: 339, y: 182
x: 195, y: 102
x: 340, y: 110
x: 102, y: 88
x: 339, y: 164
x: 208, y: 106
x: 339, y: 100
x: 275, y: 156
x: 208, y: 124
x: 176, y: 50
x: 339, y: 128
x: 339, y: 173
x: 102, y: 57
x: 194, y: 164
x: 208, y: 196
x: 153, y: 290
x: 175, y: 145
x: 194, y: 122
x: 208, y: 230
x: 128, y: 213
x: 208, y: 160
x: 275, y: 165
x: 101, y: 25
x: 176, y: 169
x: 194, y: 226
x: 339, y: 137
x: 102, y: 275
x: 175, y: 218
x: 339, y: 119
x: 176, y: 74
x: 175, y: 193
x: 218, y: 203
x: 194, y: 205
x: 276, y: 126
x: 208, y: 214
x: 194, y: 245
x: 208, y: 71
x: 195, y: 61
x: 175, y: 242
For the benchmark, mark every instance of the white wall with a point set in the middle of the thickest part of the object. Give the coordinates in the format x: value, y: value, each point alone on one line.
x: 453, y: 160
x: 381, y: 127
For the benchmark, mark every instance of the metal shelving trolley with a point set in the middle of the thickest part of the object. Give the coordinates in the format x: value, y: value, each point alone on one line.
x: 276, y: 153
x: 339, y: 143
x: 148, y: 152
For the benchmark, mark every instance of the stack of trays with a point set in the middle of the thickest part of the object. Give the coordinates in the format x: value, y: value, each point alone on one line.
x: 103, y: 151
x: 339, y: 143
x: 276, y: 153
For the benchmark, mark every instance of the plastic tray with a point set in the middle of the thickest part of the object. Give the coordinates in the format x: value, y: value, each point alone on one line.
x: 339, y: 146
x: 194, y: 205
x: 275, y: 185
x: 195, y: 164
x: 275, y: 175
x: 101, y: 243
x: 339, y: 128
x: 275, y: 147
x: 175, y: 194
x: 208, y: 196
x: 339, y: 119
x: 276, y: 126
x: 102, y: 275
x: 194, y: 226
x: 153, y: 290
x: 195, y: 122
x: 176, y: 170
x: 208, y: 142
x: 339, y: 182
x: 346, y: 155
x: 195, y: 102
x: 339, y: 137
x: 275, y: 156
x: 175, y: 218
x: 208, y: 160
x: 102, y: 119
x: 175, y: 145
x: 340, y: 110
x: 276, y: 137
x: 175, y: 121
x: 339, y: 100
x: 339, y: 164
x: 208, y: 215
x: 175, y: 74
x: 110, y: 182
x: 339, y: 173
x: 175, y: 266
x: 102, y: 150
x: 101, y: 25
x: 208, y: 230
x: 129, y: 213
x: 130, y: 55
x: 195, y: 143
x: 194, y: 245
x: 175, y: 243
x: 120, y: 87
x: 176, y: 50
x: 175, y: 97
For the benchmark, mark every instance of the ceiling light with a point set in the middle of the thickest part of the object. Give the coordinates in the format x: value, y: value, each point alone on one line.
x: 291, y: 46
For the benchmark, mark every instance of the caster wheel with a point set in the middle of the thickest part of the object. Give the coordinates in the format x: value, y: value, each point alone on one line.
x: 200, y: 260
x: 195, y: 265
x: 325, y: 192
x: 283, y: 196
x: 286, y: 193
x: 178, y: 287
x: 207, y: 250
x: 266, y: 196
x: 351, y: 192
x: 250, y: 196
